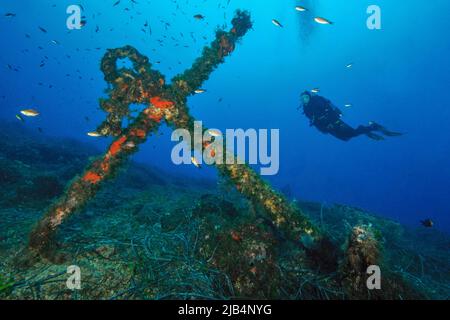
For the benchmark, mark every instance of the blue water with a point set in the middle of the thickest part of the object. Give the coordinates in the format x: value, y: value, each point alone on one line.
x: 400, y: 78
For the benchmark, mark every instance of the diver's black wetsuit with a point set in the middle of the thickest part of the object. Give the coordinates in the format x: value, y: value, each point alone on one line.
x: 327, y: 118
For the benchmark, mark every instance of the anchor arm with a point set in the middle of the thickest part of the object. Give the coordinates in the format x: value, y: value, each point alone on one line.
x: 213, y: 55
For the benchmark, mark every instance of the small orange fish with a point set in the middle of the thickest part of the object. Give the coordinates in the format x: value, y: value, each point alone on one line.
x: 322, y: 20
x: 195, y: 162
x: 30, y: 113
x: 94, y: 134
x: 300, y: 8
x: 129, y: 145
x: 215, y: 133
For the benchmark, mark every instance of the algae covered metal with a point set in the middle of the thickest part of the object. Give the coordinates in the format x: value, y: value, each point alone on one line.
x: 164, y: 102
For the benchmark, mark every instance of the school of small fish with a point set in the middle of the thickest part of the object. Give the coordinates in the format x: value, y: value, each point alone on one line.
x: 147, y: 30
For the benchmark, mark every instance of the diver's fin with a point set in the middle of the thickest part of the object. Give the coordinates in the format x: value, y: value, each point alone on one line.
x: 374, y: 136
x: 390, y: 133
x: 378, y: 127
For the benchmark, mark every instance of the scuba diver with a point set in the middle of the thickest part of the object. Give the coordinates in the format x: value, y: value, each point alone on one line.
x: 327, y: 118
